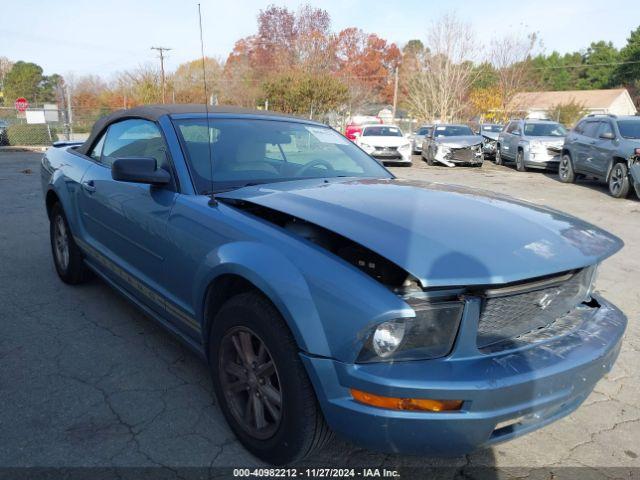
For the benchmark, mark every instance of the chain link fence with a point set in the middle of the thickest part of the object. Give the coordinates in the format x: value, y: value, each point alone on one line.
x: 42, y: 125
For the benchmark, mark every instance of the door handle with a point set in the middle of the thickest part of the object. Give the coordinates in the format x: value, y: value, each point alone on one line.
x: 89, y: 186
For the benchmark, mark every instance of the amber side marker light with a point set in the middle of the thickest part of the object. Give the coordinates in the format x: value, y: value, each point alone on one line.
x: 413, y: 404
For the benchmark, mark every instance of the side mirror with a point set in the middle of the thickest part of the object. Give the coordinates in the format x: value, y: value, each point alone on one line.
x: 607, y: 136
x: 139, y: 170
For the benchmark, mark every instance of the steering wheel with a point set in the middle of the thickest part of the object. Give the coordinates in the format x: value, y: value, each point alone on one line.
x: 314, y: 163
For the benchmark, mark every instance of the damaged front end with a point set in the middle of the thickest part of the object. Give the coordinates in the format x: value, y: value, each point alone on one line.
x: 459, y: 154
x: 634, y: 172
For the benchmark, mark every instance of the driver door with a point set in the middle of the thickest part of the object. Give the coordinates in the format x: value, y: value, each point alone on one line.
x: 127, y: 222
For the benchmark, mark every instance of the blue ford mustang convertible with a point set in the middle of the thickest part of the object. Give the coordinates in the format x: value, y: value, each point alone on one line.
x: 325, y: 294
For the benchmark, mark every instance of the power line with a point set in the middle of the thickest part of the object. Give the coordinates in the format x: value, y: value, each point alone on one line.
x: 161, y: 51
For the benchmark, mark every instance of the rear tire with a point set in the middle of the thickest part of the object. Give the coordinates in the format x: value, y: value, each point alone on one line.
x: 67, y: 257
x: 261, y: 384
x: 565, y: 169
x: 619, y: 181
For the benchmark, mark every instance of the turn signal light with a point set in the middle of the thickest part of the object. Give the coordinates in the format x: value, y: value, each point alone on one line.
x: 411, y: 404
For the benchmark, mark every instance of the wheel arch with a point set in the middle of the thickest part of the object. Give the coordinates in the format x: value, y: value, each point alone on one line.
x: 51, y: 198
x: 252, y: 266
x: 615, y: 159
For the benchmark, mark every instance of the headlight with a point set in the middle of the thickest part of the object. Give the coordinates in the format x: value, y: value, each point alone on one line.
x: 430, y: 334
x: 404, y: 146
x: 366, y: 147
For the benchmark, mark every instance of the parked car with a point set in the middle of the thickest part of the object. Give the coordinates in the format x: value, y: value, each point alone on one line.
x: 327, y: 295
x: 531, y: 144
x: 386, y: 143
x: 418, y: 137
x: 453, y: 145
x: 489, y: 133
x: 3, y: 132
x: 606, y: 147
x: 355, y: 124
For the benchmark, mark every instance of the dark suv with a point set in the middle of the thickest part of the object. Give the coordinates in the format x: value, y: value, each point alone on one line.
x: 607, y: 148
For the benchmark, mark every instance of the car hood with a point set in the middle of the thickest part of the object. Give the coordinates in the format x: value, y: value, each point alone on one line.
x: 491, y: 135
x: 441, y: 234
x: 549, y: 141
x: 383, y: 141
x: 459, y: 142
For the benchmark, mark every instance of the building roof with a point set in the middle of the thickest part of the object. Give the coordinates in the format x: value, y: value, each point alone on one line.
x: 590, y: 99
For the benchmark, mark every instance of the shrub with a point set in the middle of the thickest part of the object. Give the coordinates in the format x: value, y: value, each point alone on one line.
x: 30, y: 134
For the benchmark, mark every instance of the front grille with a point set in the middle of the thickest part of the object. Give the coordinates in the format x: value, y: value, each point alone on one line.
x: 467, y: 154
x: 386, y: 149
x: 510, y: 312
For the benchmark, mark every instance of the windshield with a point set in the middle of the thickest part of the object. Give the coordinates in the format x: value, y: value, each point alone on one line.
x: 544, y: 130
x: 629, y: 128
x: 381, y: 132
x: 249, y: 151
x: 452, y: 131
x: 492, y: 128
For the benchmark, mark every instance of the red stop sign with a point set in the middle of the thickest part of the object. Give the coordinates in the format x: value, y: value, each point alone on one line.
x: 21, y: 104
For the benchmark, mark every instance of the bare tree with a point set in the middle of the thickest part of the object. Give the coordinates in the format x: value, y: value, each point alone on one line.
x: 438, y: 88
x: 511, y: 57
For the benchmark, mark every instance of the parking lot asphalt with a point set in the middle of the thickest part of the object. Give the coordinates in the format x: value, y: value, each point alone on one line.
x: 87, y: 380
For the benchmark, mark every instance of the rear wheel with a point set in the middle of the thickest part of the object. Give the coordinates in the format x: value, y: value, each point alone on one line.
x: 619, y: 181
x: 565, y: 170
x: 67, y: 257
x: 260, y: 382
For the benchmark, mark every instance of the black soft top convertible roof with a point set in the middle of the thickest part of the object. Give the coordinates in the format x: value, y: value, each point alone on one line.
x: 154, y: 112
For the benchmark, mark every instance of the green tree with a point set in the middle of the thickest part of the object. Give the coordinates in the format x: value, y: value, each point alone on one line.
x: 23, y: 80
x: 599, y: 65
x: 305, y: 94
x: 567, y: 113
x: 629, y: 73
x: 556, y: 71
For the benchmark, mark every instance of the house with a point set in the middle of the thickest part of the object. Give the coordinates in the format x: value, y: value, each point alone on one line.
x: 616, y: 101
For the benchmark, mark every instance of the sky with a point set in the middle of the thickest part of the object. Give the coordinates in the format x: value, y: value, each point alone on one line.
x: 82, y: 37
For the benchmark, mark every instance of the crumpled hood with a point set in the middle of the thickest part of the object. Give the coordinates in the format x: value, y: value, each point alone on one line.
x: 459, y: 142
x: 443, y: 235
x: 491, y: 135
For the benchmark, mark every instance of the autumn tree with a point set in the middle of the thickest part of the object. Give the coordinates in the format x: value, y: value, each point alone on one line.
x: 567, y: 113
x: 186, y: 84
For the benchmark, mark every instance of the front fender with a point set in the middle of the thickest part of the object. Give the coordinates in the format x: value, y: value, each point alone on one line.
x: 634, y: 171
x: 277, y: 277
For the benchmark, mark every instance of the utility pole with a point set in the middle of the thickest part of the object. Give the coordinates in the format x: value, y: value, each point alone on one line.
x: 395, y: 94
x: 161, y: 51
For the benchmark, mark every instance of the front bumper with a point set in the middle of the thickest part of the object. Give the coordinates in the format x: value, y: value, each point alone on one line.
x: 398, y: 157
x: 522, y: 389
x: 542, y: 159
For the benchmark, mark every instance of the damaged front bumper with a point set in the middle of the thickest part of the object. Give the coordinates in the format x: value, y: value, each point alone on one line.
x: 506, y: 394
x: 544, y: 158
x: 452, y: 156
x: 634, y: 173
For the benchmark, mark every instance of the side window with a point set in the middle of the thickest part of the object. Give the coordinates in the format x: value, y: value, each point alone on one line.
x: 605, y: 128
x: 579, y: 128
x: 591, y: 129
x: 513, y: 128
x: 134, y: 138
x: 96, y: 151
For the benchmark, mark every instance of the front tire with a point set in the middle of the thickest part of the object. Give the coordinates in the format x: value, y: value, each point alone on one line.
x: 498, y: 157
x: 67, y: 257
x: 619, y: 181
x: 520, y: 161
x: 261, y: 384
x: 565, y: 170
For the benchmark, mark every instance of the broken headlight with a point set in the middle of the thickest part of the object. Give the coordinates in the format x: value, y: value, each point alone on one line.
x: 430, y: 334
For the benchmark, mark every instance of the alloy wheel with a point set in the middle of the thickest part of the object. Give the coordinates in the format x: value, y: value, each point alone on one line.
x: 617, y: 177
x: 250, y: 382
x: 61, y: 243
x: 563, y: 170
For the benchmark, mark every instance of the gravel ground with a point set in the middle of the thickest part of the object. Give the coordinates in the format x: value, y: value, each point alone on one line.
x: 86, y: 380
